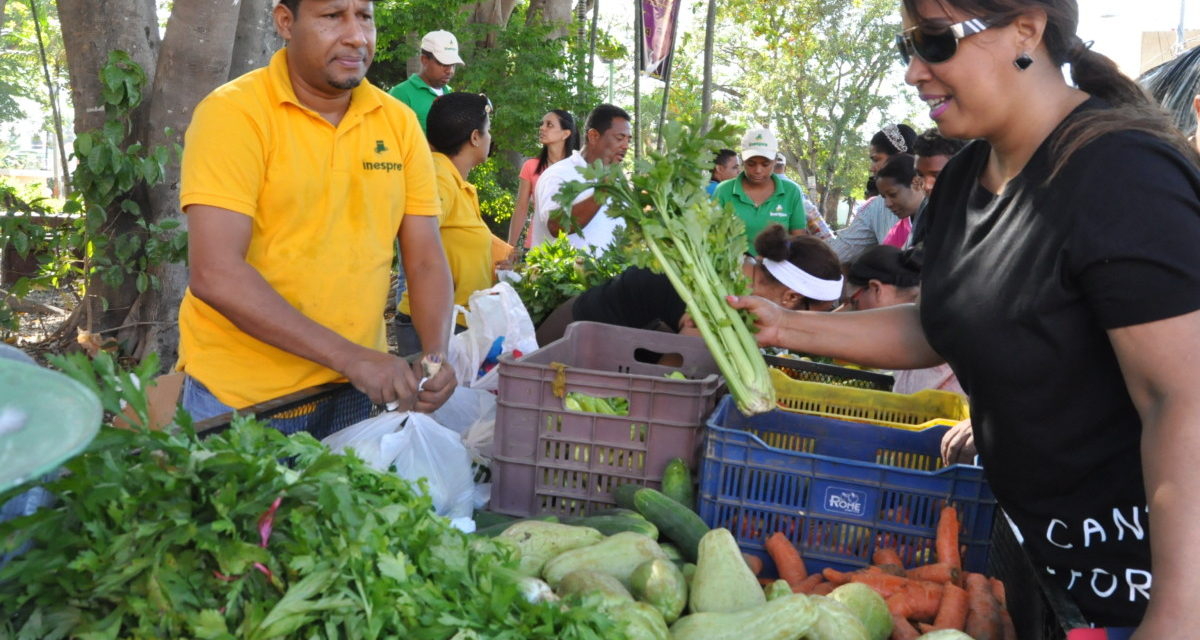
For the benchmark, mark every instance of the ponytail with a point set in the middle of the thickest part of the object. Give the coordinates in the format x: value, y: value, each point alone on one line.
x: 1133, y: 109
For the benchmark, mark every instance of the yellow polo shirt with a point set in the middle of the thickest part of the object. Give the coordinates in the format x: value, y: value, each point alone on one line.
x: 466, y: 238
x: 326, y: 204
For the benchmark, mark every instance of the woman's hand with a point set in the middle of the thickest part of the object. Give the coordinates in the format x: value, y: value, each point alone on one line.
x: 958, y: 445
x: 768, y: 318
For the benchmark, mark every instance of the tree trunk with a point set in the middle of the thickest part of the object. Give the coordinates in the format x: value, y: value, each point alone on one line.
x: 92, y: 28
x: 551, y: 12
x: 204, y: 41
x: 2, y: 3
x: 495, y: 13
x: 194, y: 60
x: 256, y: 38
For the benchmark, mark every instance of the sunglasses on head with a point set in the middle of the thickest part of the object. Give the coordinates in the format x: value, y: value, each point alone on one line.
x: 936, y: 46
x: 488, y: 109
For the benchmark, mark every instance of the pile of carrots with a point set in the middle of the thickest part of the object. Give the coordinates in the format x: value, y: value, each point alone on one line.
x: 921, y: 599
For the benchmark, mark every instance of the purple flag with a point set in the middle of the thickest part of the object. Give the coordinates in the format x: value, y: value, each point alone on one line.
x: 659, y: 19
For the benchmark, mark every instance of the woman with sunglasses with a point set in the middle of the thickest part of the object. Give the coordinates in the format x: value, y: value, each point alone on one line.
x: 559, y: 137
x: 460, y: 138
x: 1074, y: 330
x: 873, y: 221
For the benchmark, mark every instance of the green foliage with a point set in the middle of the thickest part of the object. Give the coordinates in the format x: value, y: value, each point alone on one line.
x: 814, y: 70
x: 164, y: 535
x: 554, y: 272
x: 24, y: 229
x: 109, y: 173
x: 496, y: 200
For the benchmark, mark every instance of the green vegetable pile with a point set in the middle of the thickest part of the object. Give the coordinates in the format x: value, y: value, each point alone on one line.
x: 161, y: 535
x: 694, y: 242
x: 615, y: 406
x: 555, y: 271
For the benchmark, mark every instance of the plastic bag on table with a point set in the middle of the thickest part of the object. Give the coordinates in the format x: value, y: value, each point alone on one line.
x: 497, y: 323
x: 465, y: 408
x: 428, y: 450
x: 367, y: 439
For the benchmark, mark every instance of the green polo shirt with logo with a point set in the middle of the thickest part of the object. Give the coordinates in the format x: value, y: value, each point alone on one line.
x: 418, y: 96
x: 785, y: 206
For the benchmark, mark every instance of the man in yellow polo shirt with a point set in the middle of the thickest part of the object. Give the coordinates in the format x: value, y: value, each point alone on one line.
x: 296, y: 180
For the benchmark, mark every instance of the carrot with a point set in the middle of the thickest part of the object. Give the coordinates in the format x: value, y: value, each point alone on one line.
x: 835, y: 576
x: 1007, y: 630
x: 885, y: 556
x: 916, y: 601
x: 940, y: 572
x: 787, y: 559
x: 998, y: 592
x: 983, y: 615
x: 823, y: 589
x: 925, y: 627
x: 952, y: 613
x: 884, y: 584
x: 902, y: 629
x: 808, y: 584
x: 754, y: 562
x: 947, y: 537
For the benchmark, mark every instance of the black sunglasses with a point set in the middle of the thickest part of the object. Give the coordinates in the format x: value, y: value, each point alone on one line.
x: 936, y: 46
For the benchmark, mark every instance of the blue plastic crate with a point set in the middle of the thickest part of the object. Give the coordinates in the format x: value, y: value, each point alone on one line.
x: 838, y: 489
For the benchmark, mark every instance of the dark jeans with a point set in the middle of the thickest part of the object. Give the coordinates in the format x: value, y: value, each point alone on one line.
x: 408, y: 343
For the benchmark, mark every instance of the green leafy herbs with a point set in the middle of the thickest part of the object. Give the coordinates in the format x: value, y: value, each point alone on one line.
x: 674, y: 227
x: 554, y: 272
x: 165, y: 535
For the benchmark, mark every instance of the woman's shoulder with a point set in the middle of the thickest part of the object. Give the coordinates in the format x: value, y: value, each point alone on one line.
x: 529, y: 169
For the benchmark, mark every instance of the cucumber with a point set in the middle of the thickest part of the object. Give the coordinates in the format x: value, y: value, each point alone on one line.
x: 610, y: 525
x: 617, y: 511
x: 677, y: 483
x: 496, y: 529
x: 676, y: 522
x: 623, y: 496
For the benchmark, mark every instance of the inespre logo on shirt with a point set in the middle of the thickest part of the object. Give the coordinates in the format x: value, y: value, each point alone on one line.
x: 779, y: 212
x: 382, y: 166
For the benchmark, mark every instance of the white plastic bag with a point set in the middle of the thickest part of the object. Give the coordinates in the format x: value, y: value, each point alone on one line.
x: 367, y: 439
x: 428, y: 450
x: 464, y: 408
x: 497, y: 323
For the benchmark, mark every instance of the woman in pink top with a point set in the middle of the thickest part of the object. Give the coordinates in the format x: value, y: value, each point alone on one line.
x: 559, y: 137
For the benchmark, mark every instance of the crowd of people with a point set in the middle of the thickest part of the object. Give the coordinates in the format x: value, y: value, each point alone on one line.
x: 1047, y: 268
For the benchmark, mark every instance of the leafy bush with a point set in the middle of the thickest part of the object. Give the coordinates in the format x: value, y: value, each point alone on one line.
x: 555, y: 271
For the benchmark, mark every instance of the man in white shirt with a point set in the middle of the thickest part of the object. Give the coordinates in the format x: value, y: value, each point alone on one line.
x: 607, y: 137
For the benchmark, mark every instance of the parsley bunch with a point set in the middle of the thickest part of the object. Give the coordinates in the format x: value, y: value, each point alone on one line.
x: 165, y: 535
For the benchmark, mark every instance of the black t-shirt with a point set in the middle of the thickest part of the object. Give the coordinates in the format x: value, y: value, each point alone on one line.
x: 1018, y: 292
x: 636, y: 298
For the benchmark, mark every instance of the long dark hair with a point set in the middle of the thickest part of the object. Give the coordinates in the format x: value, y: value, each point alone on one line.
x: 1092, y: 72
x: 567, y: 122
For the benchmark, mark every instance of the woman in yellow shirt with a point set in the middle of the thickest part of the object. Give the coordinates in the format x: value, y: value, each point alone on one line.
x: 459, y: 134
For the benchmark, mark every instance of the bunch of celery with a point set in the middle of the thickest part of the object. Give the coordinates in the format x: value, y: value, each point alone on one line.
x: 675, y: 228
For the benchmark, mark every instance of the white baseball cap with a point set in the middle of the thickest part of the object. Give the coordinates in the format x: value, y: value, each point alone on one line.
x: 443, y: 45
x: 759, y: 143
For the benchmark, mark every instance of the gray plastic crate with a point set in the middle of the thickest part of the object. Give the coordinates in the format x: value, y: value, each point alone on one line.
x: 549, y: 459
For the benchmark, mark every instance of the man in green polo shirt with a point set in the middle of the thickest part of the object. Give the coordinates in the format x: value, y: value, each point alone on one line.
x: 439, y: 58
x: 759, y: 196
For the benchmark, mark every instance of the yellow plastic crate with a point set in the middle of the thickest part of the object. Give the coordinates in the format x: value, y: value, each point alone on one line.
x: 912, y: 412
